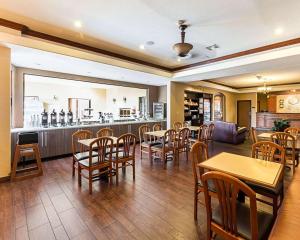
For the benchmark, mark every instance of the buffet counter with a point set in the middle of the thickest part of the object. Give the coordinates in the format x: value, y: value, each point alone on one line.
x: 265, y: 120
x: 57, y: 141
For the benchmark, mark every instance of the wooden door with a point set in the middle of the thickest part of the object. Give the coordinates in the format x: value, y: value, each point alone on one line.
x: 244, y: 113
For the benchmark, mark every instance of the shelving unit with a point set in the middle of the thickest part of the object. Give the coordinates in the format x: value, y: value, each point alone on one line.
x: 197, y: 107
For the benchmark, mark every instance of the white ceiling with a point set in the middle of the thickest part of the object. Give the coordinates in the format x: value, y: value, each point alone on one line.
x: 37, y: 59
x: 234, y: 25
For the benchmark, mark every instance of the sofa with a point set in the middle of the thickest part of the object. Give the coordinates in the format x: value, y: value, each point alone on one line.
x: 229, y: 132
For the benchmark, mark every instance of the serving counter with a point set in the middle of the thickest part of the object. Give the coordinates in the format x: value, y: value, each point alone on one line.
x: 265, y: 120
x: 57, y: 141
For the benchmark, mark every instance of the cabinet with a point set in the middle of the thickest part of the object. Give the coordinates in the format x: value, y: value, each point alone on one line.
x: 57, y: 142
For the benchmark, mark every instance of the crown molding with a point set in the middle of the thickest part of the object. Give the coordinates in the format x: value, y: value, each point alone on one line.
x: 26, y: 31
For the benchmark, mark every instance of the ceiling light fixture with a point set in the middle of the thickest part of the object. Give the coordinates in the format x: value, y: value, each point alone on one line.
x: 78, y: 24
x: 264, y: 89
x: 142, y: 46
x: 278, y: 31
x: 182, y: 49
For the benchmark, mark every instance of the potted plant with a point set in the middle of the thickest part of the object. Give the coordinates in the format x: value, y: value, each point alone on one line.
x: 280, y: 125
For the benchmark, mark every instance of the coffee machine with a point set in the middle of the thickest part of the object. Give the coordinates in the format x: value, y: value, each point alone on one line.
x: 44, y: 118
x: 53, y: 118
x: 62, y: 119
x: 70, y: 118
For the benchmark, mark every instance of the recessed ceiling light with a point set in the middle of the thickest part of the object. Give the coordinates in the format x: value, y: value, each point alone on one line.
x: 278, y: 31
x: 77, y: 24
x: 178, y: 59
x: 293, y: 90
x: 142, y: 46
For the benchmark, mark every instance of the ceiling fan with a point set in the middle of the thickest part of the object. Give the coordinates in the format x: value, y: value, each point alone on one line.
x: 183, y: 49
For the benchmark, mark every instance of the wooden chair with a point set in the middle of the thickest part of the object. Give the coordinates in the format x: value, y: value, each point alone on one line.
x: 199, y: 153
x: 294, y: 131
x: 232, y: 219
x: 105, y: 132
x: 167, y: 148
x: 210, y: 133
x: 267, y: 151
x: 97, y: 165
x: 157, y: 127
x: 146, y: 142
x: 177, y: 126
x: 288, y: 142
x: 253, y: 135
x: 125, y: 154
x: 80, y: 152
x: 182, y: 143
x: 201, y: 136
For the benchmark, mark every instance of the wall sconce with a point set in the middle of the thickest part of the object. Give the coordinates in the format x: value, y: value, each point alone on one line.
x: 114, y: 100
x: 124, y: 99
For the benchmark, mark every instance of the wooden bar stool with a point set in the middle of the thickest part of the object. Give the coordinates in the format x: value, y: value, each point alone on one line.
x: 27, y: 146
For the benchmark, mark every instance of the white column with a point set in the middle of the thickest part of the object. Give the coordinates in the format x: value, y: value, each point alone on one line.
x: 5, y: 88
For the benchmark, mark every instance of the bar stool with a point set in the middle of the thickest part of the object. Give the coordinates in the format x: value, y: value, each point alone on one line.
x: 27, y: 146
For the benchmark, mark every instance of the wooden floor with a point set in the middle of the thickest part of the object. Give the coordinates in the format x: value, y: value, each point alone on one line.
x: 157, y: 205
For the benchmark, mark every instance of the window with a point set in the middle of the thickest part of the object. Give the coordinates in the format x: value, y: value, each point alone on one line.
x: 219, y: 107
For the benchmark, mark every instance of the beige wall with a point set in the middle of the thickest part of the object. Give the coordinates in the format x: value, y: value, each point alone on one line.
x: 17, y: 121
x: 176, y: 101
x: 5, y: 139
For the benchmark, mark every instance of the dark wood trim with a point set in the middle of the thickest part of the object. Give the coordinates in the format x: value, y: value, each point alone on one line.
x: 241, y: 54
x: 26, y: 31
x: 4, y: 179
x: 221, y: 84
x: 237, y: 111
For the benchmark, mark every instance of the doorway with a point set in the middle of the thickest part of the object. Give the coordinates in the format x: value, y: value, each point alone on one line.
x: 244, y: 113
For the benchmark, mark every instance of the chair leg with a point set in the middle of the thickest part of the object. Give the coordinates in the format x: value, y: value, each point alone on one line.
x: 133, y: 169
x: 150, y: 155
x: 90, y: 182
x: 141, y: 152
x: 73, y: 167
x: 110, y: 174
x: 79, y: 175
x: 195, y: 203
x: 117, y: 174
x: 187, y: 154
x: 15, y: 163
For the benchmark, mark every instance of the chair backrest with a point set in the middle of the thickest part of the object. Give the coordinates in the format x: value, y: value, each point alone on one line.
x: 142, y: 136
x: 80, y: 135
x: 283, y: 139
x: 183, y: 137
x: 266, y: 150
x: 169, y: 139
x: 126, y: 145
x: 185, y: 124
x: 157, y: 127
x: 202, y: 133
x: 199, y: 153
x: 227, y: 189
x: 105, y: 132
x: 177, y: 126
x: 253, y: 135
x: 104, y: 146
x: 210, y: 131
x: 292, y: 130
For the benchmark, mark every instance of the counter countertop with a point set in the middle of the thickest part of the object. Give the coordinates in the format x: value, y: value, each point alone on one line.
x: 14, y: 130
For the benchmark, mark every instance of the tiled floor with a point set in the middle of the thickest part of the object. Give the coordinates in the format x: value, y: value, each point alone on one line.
x: 157, y: 205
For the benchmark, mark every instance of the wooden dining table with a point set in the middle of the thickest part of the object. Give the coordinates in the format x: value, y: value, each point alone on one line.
x: 192, y: 128
x: 267, y: 136
x: 249, y: 169
x: 87, y: 142
x: 158, y: 134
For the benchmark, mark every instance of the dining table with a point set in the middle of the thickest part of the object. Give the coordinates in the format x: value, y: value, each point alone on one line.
x: 267, y: 136
x: 257, y: 171
x: 87, y: 142
x: 192, y: 128
x: 158, y: 134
